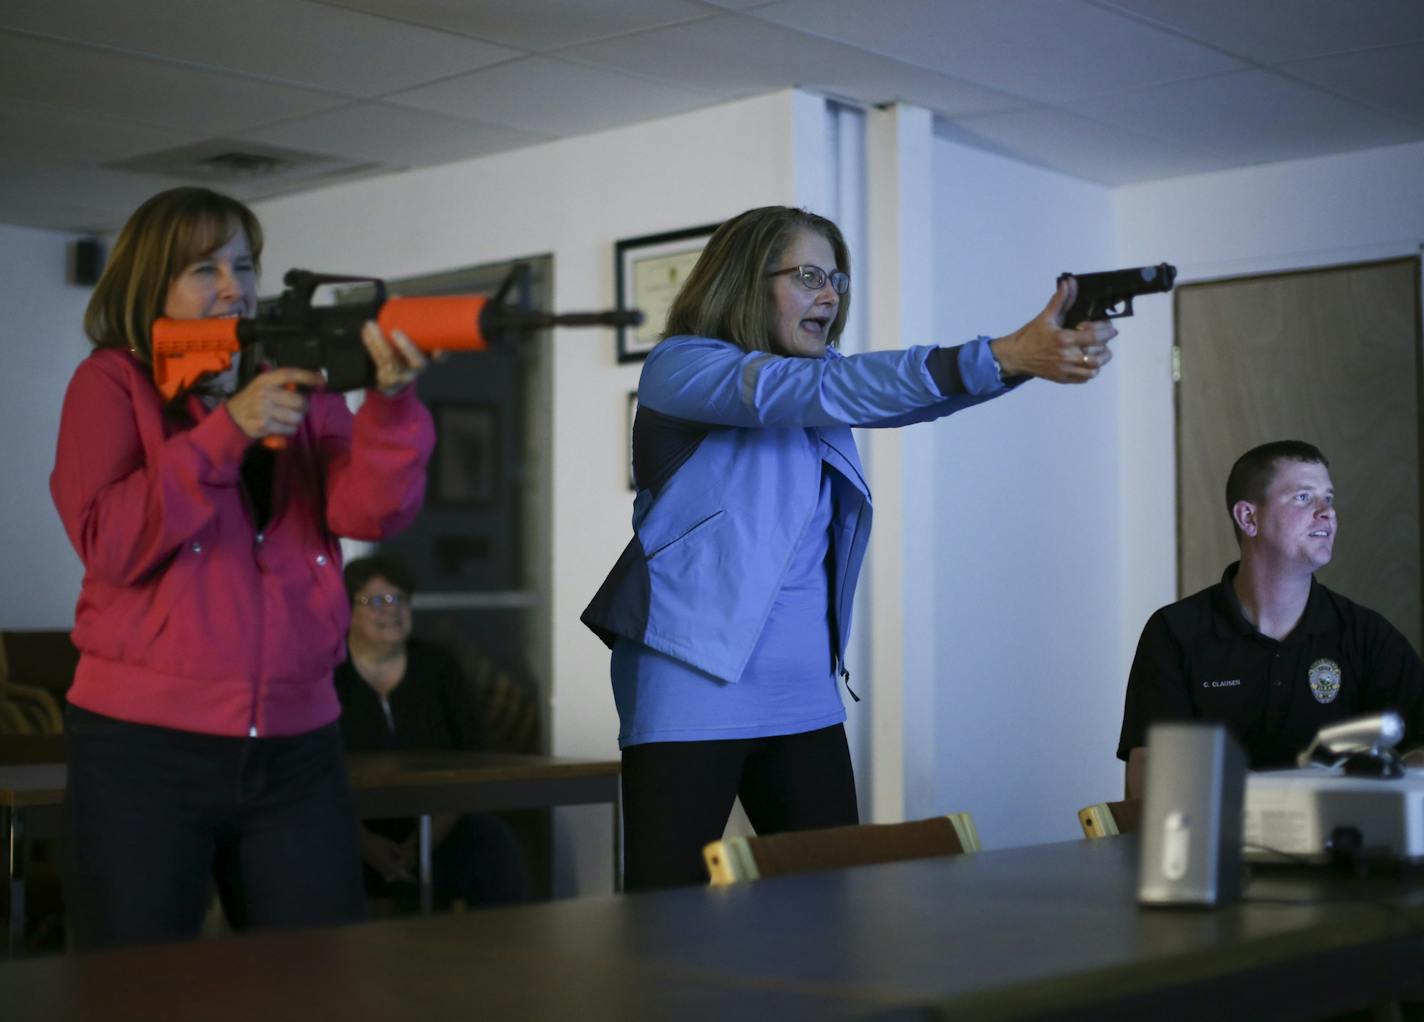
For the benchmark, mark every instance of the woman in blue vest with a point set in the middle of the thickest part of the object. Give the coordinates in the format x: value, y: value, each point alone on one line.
x: 729, y: 611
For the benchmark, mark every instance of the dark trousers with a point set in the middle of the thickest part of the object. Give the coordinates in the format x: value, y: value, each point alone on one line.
x: 479, y: 863
x: 677, y: 797
x: 155, y: 817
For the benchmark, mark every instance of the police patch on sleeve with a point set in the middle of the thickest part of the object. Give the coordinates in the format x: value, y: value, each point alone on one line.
x: 1325, y: 680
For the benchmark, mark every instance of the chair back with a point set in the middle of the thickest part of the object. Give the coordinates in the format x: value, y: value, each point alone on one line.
x: 1109, y: 819
x: 27, y: 708
x: 739, y: 859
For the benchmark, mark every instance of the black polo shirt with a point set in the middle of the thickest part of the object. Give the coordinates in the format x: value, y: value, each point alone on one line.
x: 1200, y: 659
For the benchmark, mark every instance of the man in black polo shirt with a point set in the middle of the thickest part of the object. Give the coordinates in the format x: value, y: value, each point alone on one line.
x: 1268, y: 651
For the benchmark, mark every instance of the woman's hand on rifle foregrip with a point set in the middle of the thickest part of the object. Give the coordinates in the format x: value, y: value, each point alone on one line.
x: 398, y: 361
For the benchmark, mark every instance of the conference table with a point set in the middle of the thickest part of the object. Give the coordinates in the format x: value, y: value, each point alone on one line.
x: 1043, y: 932
x: 414, y: 784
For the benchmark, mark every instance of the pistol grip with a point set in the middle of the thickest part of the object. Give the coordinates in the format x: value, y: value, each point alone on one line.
x: 277, y: 443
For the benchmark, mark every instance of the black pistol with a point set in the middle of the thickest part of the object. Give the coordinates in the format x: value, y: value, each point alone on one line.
x: 1109, y: 295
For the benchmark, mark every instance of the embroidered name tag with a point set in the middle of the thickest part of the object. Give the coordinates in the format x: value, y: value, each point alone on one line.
x: 1228, y: 683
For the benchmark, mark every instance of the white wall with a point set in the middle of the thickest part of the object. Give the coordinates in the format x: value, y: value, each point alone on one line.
x: 42, y: 338
x: 1284, y: 216
x: 573, y: 199
x: 1024, y: 518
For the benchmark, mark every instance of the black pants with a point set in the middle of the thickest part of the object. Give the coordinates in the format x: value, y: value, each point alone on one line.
x: 154, y: 816
x: 677, y: 797
x: 479, y: 862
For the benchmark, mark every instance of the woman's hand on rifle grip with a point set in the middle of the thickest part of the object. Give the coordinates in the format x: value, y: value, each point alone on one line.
x: 273, y: 404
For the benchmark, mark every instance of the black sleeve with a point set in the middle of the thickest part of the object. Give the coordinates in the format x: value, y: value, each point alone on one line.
x: 661, y: 443
x: 943, y: 366
x: 461, y: 705
x: 1156, y: 685
x: 1396, y: 676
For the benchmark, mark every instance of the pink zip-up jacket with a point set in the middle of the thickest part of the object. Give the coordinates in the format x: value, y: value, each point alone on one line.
x: 189, y: 618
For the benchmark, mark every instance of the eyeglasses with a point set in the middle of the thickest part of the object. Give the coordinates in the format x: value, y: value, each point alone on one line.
x: 383, y: 600
x: 813, y: 278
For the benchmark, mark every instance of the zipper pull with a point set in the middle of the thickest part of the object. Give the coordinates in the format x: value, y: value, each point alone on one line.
x: 845, y: 678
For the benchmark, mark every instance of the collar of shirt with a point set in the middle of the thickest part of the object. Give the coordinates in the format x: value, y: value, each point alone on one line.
x: 1229, y: 619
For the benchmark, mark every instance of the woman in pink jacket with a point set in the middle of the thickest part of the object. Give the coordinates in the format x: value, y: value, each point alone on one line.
x: 202, y: 736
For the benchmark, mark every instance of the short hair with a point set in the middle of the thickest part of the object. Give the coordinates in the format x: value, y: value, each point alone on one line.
x: 165, y: 235
x: 727, y: 295
x: 387, y: 566
x: 1254, y: 471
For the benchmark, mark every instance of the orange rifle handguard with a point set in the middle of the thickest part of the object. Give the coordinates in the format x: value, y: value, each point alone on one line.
x: 442, y: 323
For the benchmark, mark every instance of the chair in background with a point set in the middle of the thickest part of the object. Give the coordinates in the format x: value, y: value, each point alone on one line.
x: 1109, y: 819
x: 738, y: 859
x: 39, y: 658
x: 26, y: 709
x: 35, y: 671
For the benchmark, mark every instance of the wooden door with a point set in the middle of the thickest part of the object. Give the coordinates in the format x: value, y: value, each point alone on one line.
x: 1329, y: 356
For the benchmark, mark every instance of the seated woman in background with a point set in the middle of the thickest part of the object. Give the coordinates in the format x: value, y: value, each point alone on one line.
x: 400, y: 693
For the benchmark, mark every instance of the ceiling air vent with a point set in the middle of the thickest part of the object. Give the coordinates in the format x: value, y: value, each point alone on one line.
x: 240, y: 164
x: 219, y: 161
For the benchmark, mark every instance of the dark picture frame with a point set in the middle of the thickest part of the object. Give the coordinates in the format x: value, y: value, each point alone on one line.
x: 649, y: 271
x: 464, y: 471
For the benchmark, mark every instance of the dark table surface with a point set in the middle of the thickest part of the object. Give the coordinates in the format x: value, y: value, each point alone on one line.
x: 32, y: 777
x: 1050, y: 931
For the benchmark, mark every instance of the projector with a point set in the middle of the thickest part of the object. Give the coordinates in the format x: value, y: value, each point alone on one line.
x: 1315, y: 814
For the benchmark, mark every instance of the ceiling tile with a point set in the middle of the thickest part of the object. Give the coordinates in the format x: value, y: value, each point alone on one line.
x: 1110, y: 90
x: 1253, y: 116
x: 739, y: 5
x: 105, y: 195
x: 288, y: 41
x: 49, y: 133
x: 111, y: 84
x: 552, y: 97
x: 542, y: 26
x: 395, y: 136
x: 1080, y: 147
x: 1390, y: 79
x: 1043, y: 49
x: 1270, y: 32
x: 738, y: 56
x: 36, y: 209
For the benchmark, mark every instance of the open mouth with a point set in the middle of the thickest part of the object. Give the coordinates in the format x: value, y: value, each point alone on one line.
x: 1320, y: 534
x: 815, y: 326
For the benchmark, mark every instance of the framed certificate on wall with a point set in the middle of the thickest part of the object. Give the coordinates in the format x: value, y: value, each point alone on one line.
x: 650, y: 271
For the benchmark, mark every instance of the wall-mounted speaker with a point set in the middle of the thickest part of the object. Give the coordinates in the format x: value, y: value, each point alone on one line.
x: 88, y: 262
x: 1190, y: 843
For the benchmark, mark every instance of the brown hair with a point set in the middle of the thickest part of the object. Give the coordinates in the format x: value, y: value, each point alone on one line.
x: 727, y: 295
x: 387, y: 566
x: 164, y: 236
x: 1254, y: 471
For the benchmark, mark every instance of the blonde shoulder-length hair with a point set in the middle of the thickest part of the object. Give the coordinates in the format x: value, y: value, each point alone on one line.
x: 168, y: 233
x: 727, y: 294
